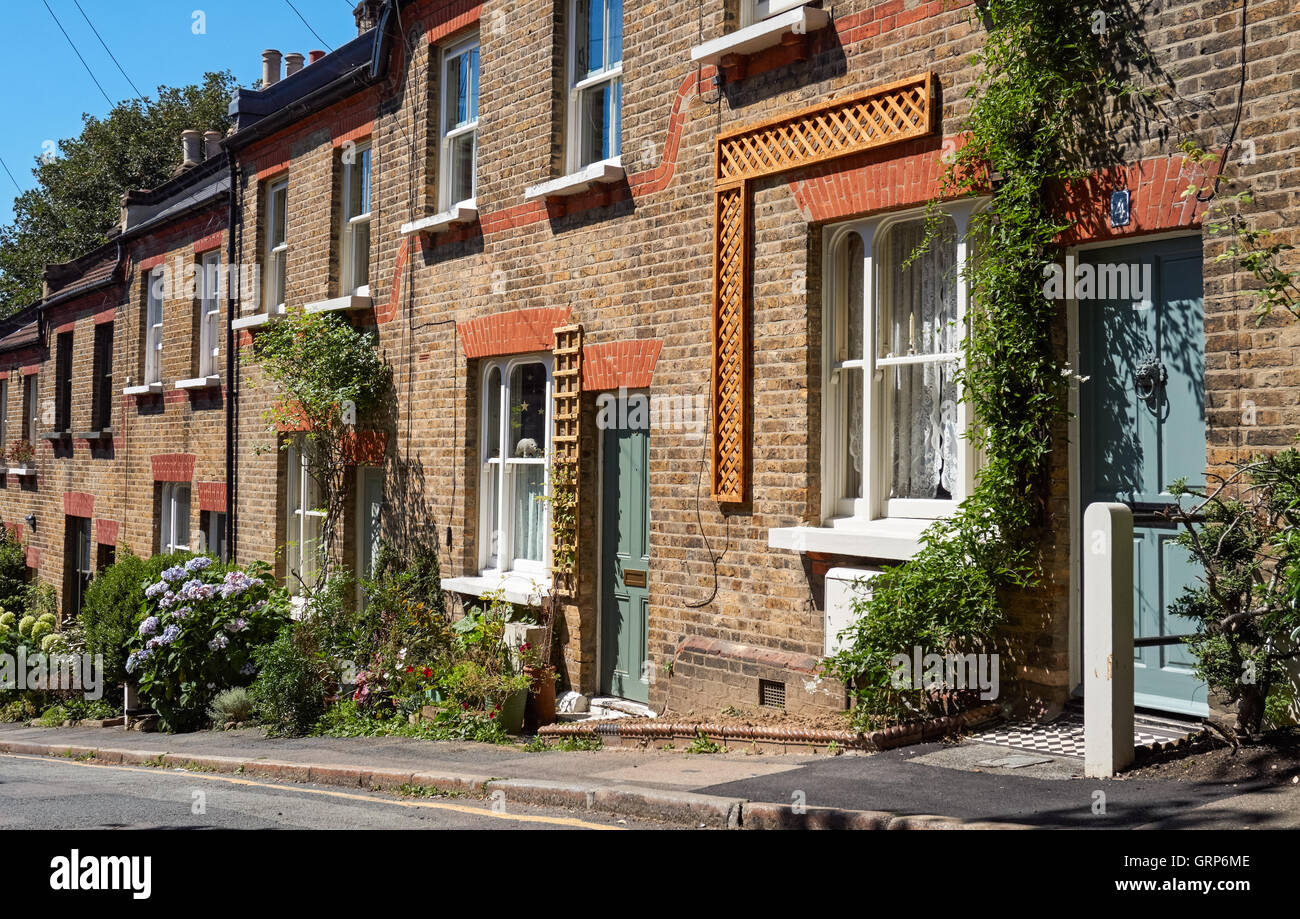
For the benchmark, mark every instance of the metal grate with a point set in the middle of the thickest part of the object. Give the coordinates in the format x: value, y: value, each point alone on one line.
x: 771, y: 694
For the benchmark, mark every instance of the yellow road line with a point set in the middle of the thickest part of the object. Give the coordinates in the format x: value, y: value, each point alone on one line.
x: 435, y: 805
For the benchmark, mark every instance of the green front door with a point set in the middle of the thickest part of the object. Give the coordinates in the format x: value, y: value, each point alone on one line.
x: 625, y: 563
x: 1142, y: 425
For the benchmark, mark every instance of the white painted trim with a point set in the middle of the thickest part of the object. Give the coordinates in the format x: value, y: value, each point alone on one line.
x: 464, y: 212
x: 198, y: 382
x: 146, y: 389
x: 340, y: 304
x: 886, y: 538
x: 525, y: 591
x: 603, y: 172
x: 255, y: 320
x: 761, y: 35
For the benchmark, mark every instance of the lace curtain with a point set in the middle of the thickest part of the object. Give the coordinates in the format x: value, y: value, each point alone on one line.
x: 921, y: 319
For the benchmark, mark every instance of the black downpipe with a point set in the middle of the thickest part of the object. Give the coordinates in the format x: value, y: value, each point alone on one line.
x: 232, y: 304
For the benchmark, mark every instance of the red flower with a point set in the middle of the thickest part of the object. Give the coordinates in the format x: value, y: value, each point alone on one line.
x: 492, y: 715
x: 428, y: 673
x: 465, y: 705
x: 409, y: 669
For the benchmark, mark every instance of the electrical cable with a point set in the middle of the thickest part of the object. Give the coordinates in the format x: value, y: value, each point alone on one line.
x: 138, y: 94
x: 1204, y: 197
x: 11, y: 175
x: 308, y: 25
x: 699, y: 522
x: 77, y: 52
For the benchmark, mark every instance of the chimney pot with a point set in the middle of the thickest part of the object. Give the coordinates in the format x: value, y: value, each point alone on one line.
x: 270, y: 67
x: 367, y: 15
x: 190, y: 148
x: 292, y: 64
x: 211, y: 143
x: 314, y: 56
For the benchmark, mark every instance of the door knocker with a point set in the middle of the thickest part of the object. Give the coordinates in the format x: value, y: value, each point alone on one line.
x: 1149, y: 378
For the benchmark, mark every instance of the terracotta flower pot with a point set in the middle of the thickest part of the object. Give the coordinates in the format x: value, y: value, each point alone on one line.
x: 540, y: 710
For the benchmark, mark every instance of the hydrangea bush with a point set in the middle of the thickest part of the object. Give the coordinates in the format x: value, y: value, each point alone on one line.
x: 199, y: 626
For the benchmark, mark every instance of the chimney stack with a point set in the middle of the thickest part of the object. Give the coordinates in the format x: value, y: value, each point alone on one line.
x: 270, y: 68
x: 367, y: 15
x: 292, y: 63
x: 314, y: 56
x: 211, y: 144
x: 190, y: 147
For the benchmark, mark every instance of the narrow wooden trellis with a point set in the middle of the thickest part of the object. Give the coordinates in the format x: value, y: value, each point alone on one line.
x: 567, y: 450
x: 882, y: 115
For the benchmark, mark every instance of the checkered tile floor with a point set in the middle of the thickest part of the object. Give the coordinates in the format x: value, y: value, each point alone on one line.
x: 1064, y: 737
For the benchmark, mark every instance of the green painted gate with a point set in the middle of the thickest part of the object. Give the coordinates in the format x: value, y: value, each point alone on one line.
x: 625, y: 561
x: 1142, y: 425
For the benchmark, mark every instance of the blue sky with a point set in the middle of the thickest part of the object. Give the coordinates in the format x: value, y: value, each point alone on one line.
x: 48, y: 89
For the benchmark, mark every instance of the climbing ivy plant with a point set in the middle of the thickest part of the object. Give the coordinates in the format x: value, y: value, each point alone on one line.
x: 1054, y: 82
x: 331, y: 380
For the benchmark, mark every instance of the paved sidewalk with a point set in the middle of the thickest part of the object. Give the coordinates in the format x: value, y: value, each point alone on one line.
x: 931, y: 785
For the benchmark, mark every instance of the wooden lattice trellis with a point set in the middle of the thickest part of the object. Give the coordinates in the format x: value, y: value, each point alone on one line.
x: 566, y: 446
x: 883, y: 115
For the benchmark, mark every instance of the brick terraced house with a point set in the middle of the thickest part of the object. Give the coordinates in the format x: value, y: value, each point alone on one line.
x: 662, y: 250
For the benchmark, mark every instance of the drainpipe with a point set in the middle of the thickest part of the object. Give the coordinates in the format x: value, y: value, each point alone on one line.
x: 232, y: 304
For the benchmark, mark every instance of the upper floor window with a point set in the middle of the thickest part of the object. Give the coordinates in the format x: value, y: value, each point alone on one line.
x: 31, y: 390
x: 275, y: 229
x: 153, y: 327
x: 4, y: 414
x: 895, y: 424
x: 63, y: 384
x: 596, y: 82
x: 753, y: 11
x: 354, y: 244
x: 459, y: 150
x: 209, y: 313
x: 101, y: 410
x: 515, y: 442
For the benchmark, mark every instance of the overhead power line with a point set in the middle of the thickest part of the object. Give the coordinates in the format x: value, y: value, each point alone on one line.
x: 77, y: 52
x: 308, y: 25
x: 11, y: 175
x: 138, y: 94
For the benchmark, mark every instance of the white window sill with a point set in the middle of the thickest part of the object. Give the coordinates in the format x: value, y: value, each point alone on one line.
x: 524, y: 589
x: 761, y: 35
x: 198, y: 383
x: 256, y: 320
x: 340, y: 304
x: 21, y: 470
x: 604, y: 172
x: 465, y: 212
x: 145, y: 390
x: 889, y: 538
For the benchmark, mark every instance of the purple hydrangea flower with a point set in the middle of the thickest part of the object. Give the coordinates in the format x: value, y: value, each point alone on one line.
x: 153, y: 643
x: 154, y: 590
x: 174, y: 573
x: 169, y: 635
x: 248, y: 669
x: 197, y: 590
x: 218, y: 643
x: 149, y: 626
x: 198, y: 563
x: 236, y: 625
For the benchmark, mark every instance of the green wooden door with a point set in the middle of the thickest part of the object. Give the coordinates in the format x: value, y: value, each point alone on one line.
x: 625, y: 561
x: 1142, y: 425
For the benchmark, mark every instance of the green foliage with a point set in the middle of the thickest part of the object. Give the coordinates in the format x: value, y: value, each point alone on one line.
x: 1038, y: 116
x: 76, y: 200
x: 111, y: 611
x: 25, y: 626
x: 1245, y: 533
x: 200, y: 626
x: 75, y: 710
x: 288, y: 694
x: 348, y: 719
x: 702, y: 744
x: 231, y: 707
x: 13, y: 571
x: 569, y: 743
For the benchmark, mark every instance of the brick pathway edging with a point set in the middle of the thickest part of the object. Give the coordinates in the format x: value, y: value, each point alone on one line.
x: 670, y: 806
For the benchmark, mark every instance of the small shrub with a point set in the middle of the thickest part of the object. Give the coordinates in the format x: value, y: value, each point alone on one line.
x: 25, y: 626
x: 288, y: 694
x: 231, y: 706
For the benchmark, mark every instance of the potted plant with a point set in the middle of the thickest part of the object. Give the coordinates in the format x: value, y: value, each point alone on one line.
x: 540, y: 708
x: 20, y: 454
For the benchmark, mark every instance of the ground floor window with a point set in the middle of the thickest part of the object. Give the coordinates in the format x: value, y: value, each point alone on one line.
x: 304, y: 516
x: 76, y: 563
x: 516, y: 444
x: 174, y: 518
x: 212, y: 525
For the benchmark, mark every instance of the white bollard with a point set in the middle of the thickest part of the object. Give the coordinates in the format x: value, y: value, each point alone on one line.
x: 1107, y: 639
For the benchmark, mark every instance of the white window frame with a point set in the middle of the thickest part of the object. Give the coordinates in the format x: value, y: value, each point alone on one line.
x: 503, y: 469
x: 352, y: 223
x: 303, y: 518
x: 451, y: 133
x: 874, y: 503
x: 31, y: 397
x: 610, y: 72
x: 153, y: 328
x: 276, y: 255
x: 215, y: 525
x: 168, y: 518
x: 755, y: 11
x: 210, y: 313
x: 4, y: 413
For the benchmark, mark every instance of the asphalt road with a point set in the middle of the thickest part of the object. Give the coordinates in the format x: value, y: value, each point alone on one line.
x: 52, y: 794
